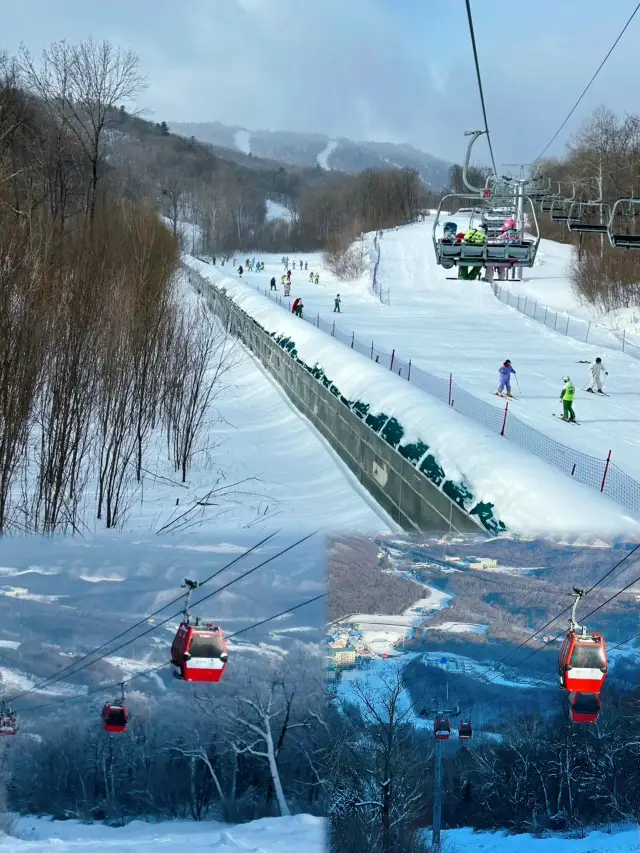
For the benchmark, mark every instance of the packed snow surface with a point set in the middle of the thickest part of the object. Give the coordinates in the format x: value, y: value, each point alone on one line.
x: 467, y: 841
x: 242, y: 140
x: 530, y: 496
x: 323, y: 156
x: 269, y: 835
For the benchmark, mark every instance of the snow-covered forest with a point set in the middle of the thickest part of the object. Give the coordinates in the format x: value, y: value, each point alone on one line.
x: 534, y: 773
x: 252, y: 746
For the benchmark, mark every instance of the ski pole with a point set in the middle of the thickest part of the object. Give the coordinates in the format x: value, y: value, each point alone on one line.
x: 518, y: 384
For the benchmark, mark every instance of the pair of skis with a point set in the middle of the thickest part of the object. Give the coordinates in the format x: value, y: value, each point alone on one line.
x: 566, y: 420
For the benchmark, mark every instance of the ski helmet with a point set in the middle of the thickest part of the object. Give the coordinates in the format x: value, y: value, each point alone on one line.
x: 598, y: 361
x: 566, y: 379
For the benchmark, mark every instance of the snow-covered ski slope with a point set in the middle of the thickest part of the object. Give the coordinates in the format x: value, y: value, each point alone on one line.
x: 269, y: 835
x: 529, y: 495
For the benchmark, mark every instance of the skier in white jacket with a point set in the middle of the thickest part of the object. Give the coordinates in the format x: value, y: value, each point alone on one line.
x: 597, y: 371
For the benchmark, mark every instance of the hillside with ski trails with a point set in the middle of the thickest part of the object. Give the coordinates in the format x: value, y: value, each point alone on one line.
x: 428, y: 320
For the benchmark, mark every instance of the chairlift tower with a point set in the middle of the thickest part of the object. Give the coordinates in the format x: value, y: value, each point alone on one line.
x: 434, y: 713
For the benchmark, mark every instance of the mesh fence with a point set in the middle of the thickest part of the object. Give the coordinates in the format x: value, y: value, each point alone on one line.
x: 600, y: 474
x: 572, y: 327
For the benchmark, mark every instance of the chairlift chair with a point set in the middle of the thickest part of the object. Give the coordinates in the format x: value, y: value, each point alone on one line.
x: 622, y: 235
x: 521, y: 253
x: 584, y: 707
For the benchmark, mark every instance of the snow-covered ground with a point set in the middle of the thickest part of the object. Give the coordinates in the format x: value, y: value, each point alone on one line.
x: 275, y: 210
x: 323, y: 156
x: 467, y: 841
x: 530, y: 496
x: 242, y: 140
x: 269, y: 835
x: 268, y: 464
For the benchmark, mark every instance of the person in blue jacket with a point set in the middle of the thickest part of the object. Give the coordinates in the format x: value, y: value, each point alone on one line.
x: 505, y: 379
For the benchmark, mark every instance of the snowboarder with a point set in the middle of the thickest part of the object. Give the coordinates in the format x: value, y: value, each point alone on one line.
x: 300, y: 264
x: 567, y: 396
x: 240, y: 271
x: 505, y: 379
x: 596, y: 370
x: 336, y: 304
x: 273, y: 283
x: 316, y: 278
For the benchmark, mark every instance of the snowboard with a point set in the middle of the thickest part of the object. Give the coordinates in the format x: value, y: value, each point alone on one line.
x: 575, y: 423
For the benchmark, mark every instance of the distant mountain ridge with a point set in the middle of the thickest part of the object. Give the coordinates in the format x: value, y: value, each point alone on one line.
x: 317, y: 150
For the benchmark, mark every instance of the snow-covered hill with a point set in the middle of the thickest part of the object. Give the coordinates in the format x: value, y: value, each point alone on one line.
x: 269, y: 835
x: 317, y: 149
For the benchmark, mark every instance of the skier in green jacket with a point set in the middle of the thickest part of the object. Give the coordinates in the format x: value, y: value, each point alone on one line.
x: 567, y: 396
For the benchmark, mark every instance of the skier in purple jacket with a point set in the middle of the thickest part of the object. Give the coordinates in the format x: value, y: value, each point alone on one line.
x: 505, y: 379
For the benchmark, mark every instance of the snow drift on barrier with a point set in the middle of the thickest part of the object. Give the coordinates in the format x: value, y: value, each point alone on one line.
x: 499, y: 484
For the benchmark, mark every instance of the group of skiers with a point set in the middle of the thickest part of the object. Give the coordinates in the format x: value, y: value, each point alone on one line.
x: 285, y: 263
x: 597, y: 372
x: 478, y: 237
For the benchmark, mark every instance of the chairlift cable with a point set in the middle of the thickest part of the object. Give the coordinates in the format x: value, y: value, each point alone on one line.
x: 104, y: 687
x: 588, y: 86
x: 557, y: 637
x: 477, y: 63
x: 177, y: 615
x: 74, y: 663
x: 559, y: 616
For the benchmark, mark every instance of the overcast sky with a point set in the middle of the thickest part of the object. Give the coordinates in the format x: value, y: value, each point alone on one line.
x: 388, y: 70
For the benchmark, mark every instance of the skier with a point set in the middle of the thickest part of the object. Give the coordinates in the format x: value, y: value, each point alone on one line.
x: 293, y: 265
x: 300, y: 307
x: 240, y: 271
x: 336, y: 304
x: 505, y: 379
x: 288, y: 275
x: 214, y: 260
x: 597, y: 369
x: 273, y: 283
x: 475, y: 237
x: 311, y: 277
x: 567, y: 396
x: 316, y: 278
x: 300, y: 264
x: 283, y: 280
x: 306, y: 264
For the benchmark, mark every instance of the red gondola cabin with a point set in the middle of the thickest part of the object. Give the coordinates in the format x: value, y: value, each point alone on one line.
x: 114, y: 718
x: 584, y: 707
x: 582, y: 662
x: 442, y: 729
x: 465, y: 731
x: 199, y: 652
